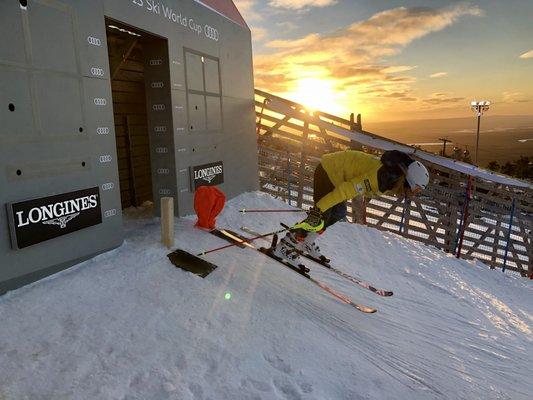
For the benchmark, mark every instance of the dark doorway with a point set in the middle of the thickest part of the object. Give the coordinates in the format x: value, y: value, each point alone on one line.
x: 127, y: 71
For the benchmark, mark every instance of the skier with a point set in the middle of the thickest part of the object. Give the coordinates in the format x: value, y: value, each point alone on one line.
x: 341, y: 176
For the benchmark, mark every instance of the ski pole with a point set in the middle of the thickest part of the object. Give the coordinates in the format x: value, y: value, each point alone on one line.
x: 244, y: 211
x: 203, y: 253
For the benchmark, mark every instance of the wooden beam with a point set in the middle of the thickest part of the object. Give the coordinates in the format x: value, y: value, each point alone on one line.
x: 125, y: 51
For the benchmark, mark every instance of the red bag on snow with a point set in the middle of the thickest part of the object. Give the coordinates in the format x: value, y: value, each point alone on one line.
x: 208, y: 203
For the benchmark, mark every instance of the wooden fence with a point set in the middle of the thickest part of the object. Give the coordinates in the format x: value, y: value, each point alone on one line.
x: 466, y: 216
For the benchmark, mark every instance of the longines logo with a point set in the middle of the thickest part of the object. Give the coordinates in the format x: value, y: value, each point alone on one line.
x: 61, y: 221
x: 37, y: 220
x: 207, y: 174
x: 56, y: 214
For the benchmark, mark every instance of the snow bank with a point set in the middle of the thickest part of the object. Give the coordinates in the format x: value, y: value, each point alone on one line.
x: 129, y: 325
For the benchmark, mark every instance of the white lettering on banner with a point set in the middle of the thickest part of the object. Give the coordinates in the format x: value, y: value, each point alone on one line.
x: 108, y: 186
x: 94, y: 41
x: 58, y: 213
x: 208, y: 174
x: 175, y: 16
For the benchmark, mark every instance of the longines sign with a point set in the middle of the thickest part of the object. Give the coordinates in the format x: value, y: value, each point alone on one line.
x: 207, y: 175
x: 38, y: 220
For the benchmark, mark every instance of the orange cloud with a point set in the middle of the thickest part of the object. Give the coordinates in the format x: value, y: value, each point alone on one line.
x: 438, y: 74
x: 353, y: 56
x: 513, y: 97
x: 301, y: 4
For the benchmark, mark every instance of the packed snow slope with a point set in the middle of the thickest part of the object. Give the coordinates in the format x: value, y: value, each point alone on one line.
x: 129, y: 325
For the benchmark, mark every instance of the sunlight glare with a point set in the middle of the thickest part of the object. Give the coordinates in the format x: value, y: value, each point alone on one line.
x: 317, y: 94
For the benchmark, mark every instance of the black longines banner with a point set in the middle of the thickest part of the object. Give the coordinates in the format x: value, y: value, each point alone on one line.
x: 37, y: 220
x: 207, y: 175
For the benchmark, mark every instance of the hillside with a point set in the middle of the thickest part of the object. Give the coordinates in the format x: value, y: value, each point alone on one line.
x: 129, y: 325
x: 502, y: 138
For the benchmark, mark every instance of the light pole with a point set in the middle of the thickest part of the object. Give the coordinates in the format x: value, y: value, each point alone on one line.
x: 479, y: 107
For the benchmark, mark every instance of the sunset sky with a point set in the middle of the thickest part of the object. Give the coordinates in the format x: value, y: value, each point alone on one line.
x: 395, y: 60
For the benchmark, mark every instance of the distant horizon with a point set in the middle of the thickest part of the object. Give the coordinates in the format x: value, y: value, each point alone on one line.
x: 484, y: 118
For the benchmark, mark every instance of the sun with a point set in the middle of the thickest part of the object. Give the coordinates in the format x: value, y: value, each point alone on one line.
x: 317, y: 94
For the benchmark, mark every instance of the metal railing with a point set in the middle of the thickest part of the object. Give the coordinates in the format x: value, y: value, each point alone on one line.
x: 469, y: 217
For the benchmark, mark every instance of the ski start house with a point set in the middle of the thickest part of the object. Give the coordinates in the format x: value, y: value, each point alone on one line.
x: 105, y: 104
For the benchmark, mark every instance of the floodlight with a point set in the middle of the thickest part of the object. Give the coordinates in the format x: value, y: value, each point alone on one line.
x: 479, y: 107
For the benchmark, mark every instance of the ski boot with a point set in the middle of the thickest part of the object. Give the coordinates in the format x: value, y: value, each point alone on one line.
x: 310, y: 247
x: 287, y: 249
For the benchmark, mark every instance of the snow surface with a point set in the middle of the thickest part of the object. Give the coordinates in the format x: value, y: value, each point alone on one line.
x: 129, y: 325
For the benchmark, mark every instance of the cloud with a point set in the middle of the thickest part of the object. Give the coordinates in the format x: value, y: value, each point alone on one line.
x: 443, y: 99
x: 287, y: 26
x: 355, y: 54
x: 398, y: 68
x: 528, y: 54
x: 246, y: 8
x: 513, y: 97
x: 258, y: 34
x: 438, y: 74
x: 301, y: 4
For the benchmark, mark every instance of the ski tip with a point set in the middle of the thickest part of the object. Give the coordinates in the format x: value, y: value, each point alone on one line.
x: 367, y: 310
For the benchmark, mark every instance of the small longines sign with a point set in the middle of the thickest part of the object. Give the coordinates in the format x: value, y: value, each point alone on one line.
x: 35, y: 221
x: 207, y: 175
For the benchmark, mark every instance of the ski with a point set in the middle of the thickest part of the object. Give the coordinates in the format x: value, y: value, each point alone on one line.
x: 359, y: 282
x: 339, y: 296
x: 236, y: 238
x: 228, y: 235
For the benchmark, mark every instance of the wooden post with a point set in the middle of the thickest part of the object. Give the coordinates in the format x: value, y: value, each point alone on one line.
x: 303, y: 161
x: 404, y: 222
x: 129, y: 151
x: 450, y: 225
x: 289, y: 172
x: 167, y: 221
x: 464, y: 220
x: 359, y: 210
x: 265, y: 102
x: 508, y: 236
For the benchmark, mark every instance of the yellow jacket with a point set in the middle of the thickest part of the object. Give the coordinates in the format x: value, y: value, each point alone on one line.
x: 353, y: 173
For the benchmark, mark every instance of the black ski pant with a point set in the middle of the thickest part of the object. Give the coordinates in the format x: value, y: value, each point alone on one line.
x: 321, y: 187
